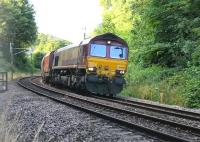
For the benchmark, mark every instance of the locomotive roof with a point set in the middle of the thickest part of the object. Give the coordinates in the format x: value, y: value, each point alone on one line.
x: 107, y: 36
x: 84, y: 42
x: 110, y: 36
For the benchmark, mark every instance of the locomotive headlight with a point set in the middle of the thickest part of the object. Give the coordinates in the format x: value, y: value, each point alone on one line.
x: 109, y: 42
x: 92, y: 69
x: 120, y: 72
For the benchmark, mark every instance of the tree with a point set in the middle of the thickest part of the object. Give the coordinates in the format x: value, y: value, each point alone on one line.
x: 44, y: 44
x: 129, y: 20
x: 176, y: 25
x: 17, y: 25
x: 161, y: 32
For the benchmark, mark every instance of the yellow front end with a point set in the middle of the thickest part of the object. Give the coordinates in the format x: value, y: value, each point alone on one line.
x: 105, y: 75
x: 106, y: 66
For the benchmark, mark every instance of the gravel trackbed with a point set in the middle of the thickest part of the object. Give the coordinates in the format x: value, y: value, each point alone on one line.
x: 27, y: 117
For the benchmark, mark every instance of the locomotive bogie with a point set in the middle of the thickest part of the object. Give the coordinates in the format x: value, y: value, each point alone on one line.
x: 103, y: 85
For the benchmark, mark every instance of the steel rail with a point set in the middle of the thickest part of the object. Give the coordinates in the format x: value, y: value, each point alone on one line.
x: 178, y: 112
x: 152, y: 107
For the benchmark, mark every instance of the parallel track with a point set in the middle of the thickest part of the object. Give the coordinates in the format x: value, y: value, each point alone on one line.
x: 155, y: 108
x: 61, y: 97
x: 171, y: 111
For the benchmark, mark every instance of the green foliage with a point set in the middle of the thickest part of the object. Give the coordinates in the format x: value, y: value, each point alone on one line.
x: 174, y: 26
x: 196, y: 57
x: 44, y: 44
x: 128, y: 20
x: 23, y: 64
x: 164, y: 47
x: 17, y: 25
x: 192, y: 89
x: 37, y: 58
x: 4, y: 58
x: 165, y: 33
x: 150, y: 83
x: 166, y: 54
x: 17, y: 22
x: 117, y: 18
x: 180, y: 87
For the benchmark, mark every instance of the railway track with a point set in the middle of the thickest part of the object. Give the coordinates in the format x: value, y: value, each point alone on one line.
x: 157, y: 127
x: 154, y: 108
x: 167, y: 110
x: 173, y: 115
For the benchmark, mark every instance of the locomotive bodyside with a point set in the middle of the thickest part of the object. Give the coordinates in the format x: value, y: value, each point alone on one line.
x: 69, y: 57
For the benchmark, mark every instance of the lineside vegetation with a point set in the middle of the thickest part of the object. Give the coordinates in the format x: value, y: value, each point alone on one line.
x: 164, y: 41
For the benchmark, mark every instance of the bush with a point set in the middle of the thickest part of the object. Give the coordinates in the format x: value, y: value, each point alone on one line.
x: 196, y: 57
x: 178, y: 86
x: 192, y: 87
x: 150, y: 83
x: 24, y: 64
x: 193, y: 93
x: 37, y: 58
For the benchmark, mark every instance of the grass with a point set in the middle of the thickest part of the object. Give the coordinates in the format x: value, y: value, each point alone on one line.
x: 8, y: 132
x: 26, y: 70
x: 11, y: 131
x: 4, y: 64
x: 38, y: 132
x: 158, y: 84
x: 19, y: 74
x: 6, y: 67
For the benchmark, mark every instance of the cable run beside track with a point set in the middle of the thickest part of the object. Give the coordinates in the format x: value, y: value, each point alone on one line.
x: 123, y: 117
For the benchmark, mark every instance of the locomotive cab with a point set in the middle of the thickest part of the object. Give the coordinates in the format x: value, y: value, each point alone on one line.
x: 107, y: 60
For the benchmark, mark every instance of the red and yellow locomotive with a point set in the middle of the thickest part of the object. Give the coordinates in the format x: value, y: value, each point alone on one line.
x: 97, y: 65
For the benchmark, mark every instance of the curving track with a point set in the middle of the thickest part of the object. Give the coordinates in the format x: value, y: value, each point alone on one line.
x: 157, y: 110
x: 117, y: 111
x: 172, y: 111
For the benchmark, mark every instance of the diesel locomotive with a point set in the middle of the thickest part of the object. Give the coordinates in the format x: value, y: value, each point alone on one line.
x: 97, y: 65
